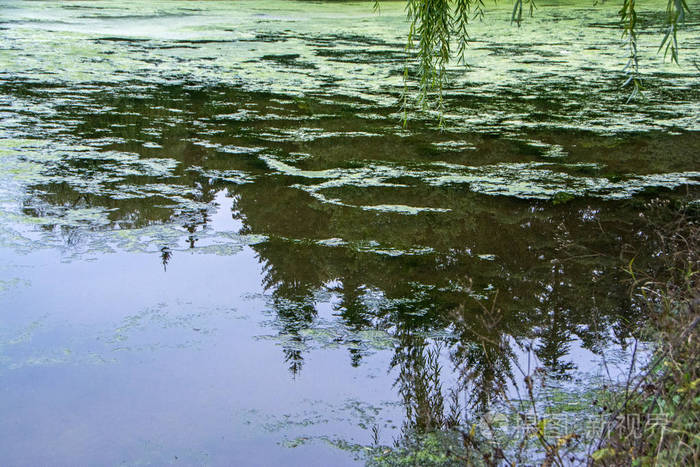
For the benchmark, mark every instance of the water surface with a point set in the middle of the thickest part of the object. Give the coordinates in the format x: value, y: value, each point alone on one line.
x: 220, y: 245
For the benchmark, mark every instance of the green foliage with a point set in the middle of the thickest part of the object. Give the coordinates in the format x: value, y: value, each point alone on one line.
x: 437, y: 448
x: 675, y: 15
x: 665, y: 395
x: 436, y: 24
x: 628, y: 19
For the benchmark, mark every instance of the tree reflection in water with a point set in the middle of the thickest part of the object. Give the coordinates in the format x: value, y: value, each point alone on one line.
x: 429, y: 281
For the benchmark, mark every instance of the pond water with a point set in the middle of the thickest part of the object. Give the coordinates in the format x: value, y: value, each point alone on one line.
x: 220, y: 246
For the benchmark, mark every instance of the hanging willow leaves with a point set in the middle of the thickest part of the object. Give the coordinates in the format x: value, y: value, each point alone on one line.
x: 435, y: 24
x: 675, y: 15
x: 628, y: 18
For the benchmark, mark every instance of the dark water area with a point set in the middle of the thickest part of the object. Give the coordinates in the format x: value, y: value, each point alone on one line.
x: 220, y: 246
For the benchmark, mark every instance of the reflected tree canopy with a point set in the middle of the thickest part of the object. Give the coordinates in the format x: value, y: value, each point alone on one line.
x: 550, y: 268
